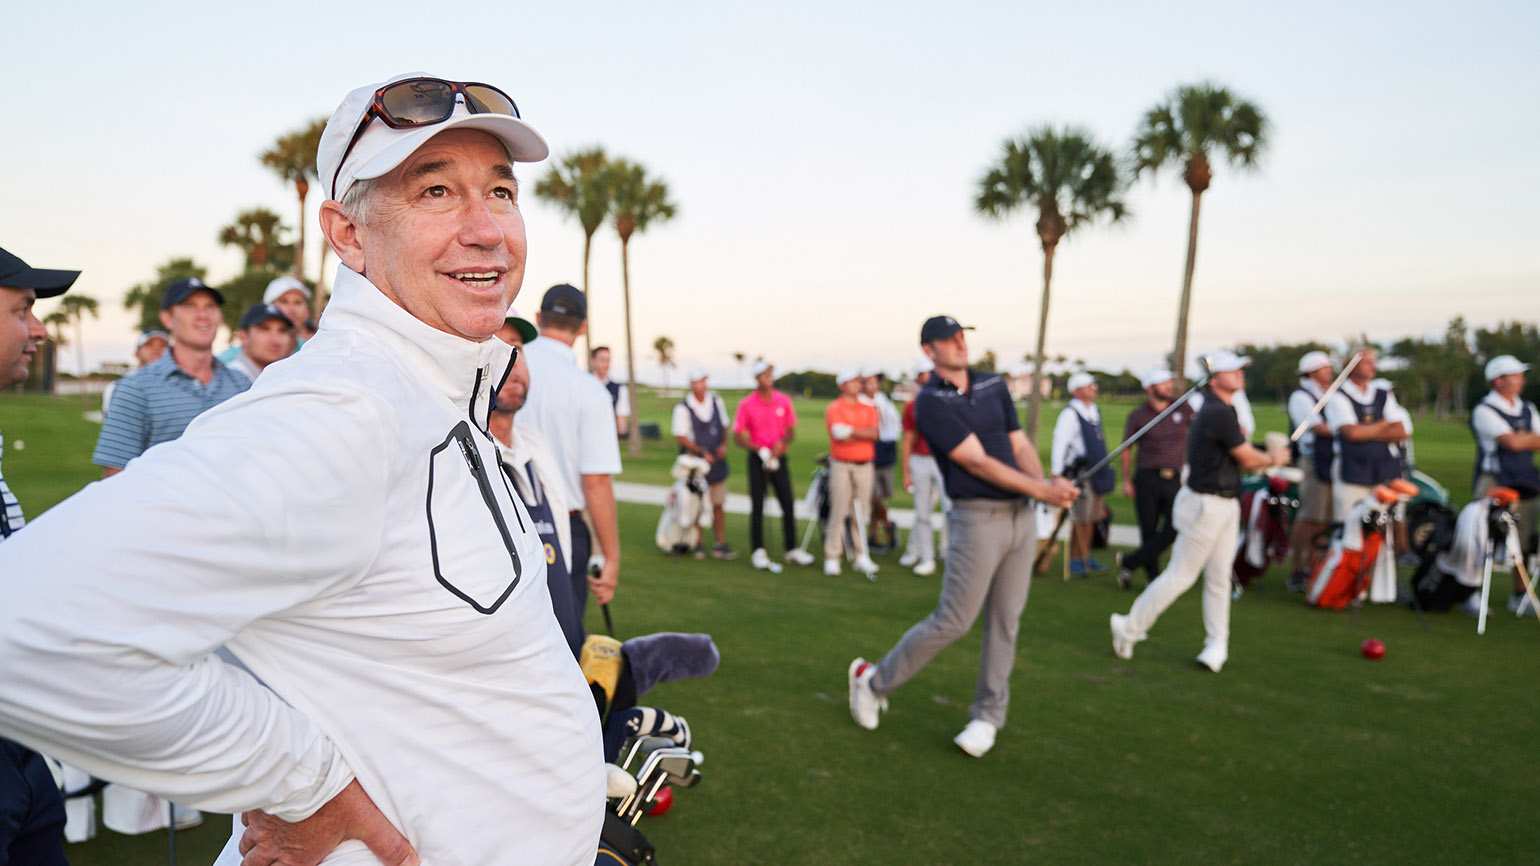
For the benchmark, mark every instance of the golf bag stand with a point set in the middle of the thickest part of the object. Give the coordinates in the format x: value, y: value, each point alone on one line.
x: 1502, y: 528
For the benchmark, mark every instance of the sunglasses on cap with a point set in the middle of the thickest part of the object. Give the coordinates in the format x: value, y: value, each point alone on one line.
x: 415, y: 102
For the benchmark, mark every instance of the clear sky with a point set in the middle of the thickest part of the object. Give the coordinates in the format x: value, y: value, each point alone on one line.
x: 824, y: 157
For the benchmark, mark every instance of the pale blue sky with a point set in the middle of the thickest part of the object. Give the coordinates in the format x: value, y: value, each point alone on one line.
x: 825, y: 156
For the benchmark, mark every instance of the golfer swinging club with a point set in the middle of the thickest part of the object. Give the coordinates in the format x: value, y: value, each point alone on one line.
x: 342, y: 529
x: 1206, y: 515
x: 990, y: 469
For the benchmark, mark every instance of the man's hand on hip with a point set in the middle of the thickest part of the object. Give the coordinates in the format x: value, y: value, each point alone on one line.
x: 270, y: 841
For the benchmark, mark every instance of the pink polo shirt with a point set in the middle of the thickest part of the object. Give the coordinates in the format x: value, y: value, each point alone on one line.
x: 765, y: 423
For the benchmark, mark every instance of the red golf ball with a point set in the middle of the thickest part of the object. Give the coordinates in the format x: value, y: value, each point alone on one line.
x: 662, y: 802
x: 1373, y: 649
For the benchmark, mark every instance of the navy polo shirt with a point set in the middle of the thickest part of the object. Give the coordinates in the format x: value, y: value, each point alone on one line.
x: 946, y: 416
x: 155, y: 403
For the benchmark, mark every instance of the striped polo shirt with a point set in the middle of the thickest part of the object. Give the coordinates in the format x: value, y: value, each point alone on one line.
x: 10, y: 510
x: 155, y: 404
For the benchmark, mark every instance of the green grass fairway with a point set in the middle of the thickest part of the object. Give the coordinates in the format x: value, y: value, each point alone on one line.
x: 1300, y: 752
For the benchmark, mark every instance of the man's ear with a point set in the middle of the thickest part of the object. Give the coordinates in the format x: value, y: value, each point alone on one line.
x: 342, y: 233
x: 165, y: 320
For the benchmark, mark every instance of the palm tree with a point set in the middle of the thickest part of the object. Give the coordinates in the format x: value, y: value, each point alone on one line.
x: 1072, y: 182
x: 292, y: 157
x: 1195, y: 121
x: 579, y: 187
x: 75, y: 306
x: 258, y: 233
x: 638, y: 202
x: 146, y: 296
x: 664, y: 347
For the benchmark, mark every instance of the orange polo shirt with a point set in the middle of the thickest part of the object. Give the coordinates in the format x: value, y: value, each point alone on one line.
x: 857, y: 414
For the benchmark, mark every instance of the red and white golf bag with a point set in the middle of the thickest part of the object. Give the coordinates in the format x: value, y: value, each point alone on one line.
x: 1360, y: 558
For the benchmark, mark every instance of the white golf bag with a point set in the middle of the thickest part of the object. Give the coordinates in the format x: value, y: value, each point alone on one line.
x: 687, y: 511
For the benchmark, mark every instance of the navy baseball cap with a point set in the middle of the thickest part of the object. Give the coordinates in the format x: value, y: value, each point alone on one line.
x: 256, y: 314
x: 565, y: 300
x: 181, y: 290
x: 940, y: 328
x: 44, y: 282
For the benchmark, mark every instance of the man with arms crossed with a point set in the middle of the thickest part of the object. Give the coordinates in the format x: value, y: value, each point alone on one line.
x: 342, y: 530
x: 1207, y: 517
x: 573, y: 416
x: 764, y: 425
x: 990, y: 469
x: 1507, y: 429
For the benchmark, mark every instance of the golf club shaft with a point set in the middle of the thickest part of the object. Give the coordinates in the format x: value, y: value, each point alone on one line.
x: 1331, y: 390
x: 609, y: 624
x: 1113, y: 454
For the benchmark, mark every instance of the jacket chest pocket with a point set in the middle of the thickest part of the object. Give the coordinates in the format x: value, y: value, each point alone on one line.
x: 473, y: 525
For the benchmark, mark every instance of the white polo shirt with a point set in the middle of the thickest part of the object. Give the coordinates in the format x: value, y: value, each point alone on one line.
x: 570, y: 411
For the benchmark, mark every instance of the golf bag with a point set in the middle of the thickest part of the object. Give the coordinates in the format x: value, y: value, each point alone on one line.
x: 686, y: 512
x: 1358, y: 557
x: 1265, y: 524
x: 1447, y: 575
x: 816, y: 504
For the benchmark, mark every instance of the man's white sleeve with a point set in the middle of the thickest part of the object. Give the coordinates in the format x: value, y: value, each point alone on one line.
x: 116, y: 599
x: 680, y: 426
x: 598, y: 446
x: 1066, y: 434
x: 1300, y: 405
x: 623, y: 402
x: 1339, y: 413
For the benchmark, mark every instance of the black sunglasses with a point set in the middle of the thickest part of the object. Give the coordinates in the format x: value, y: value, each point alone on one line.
x: 423, y: 102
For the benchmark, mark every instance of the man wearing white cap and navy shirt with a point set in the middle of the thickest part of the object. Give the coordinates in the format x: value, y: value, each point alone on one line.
x: 343, y: 530
x: 1156, y: 480
x: 1370, y: 430
x: 267, y: 335
x: 699, y: 426
x: 1207, y: 518
x: 991, y: 469
x: 1313, y: 457
x: 1079, y: 443
x: 1507, y: 430
x: 155, y: 403
x: 922, y: 478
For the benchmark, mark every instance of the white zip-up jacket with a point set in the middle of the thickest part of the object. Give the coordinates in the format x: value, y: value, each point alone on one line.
x: 343, y: 528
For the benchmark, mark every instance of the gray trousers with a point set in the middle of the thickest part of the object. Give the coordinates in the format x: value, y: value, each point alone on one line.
x: 988, y: 568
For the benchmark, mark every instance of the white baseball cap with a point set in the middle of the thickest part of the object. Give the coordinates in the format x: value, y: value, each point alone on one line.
x: 1080, y: 380
x: 1313, y: 361
x: 697, y: 373
x: 846, y: 375
x: 924, y: 365
x: 1226, y: 361
x: 380, y: 148
x: 1504, y: 365
x: 761, y: 366
x: 277, y: 287
x: 1154, y: 376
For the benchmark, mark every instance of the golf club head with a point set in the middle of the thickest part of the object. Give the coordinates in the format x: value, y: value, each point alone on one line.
x: 774, y: 568
x: 642, y: 747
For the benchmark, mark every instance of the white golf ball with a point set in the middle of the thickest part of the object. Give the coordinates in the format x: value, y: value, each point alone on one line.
x: 19, y: 445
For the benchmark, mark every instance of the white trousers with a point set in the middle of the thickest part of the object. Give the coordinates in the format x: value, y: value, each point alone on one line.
x: 1207, y: 529
x: 928, y: 490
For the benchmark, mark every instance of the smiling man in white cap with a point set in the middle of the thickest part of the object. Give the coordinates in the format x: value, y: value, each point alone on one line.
x: 1507, y: 430
x: 1207, y: 518
x: 343, y: 530
x: 1078, y: 444
x: 1313, y: 456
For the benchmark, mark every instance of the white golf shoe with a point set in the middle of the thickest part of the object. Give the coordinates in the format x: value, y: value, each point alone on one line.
x: 865, y: 565
x: 831, y: 568
x: 926, y: 568
x: 977, y: 738
x: 798, y: 556
x: 908, y: 560
x: 759, y: 559
x: 1214, y: 656
x: 1123, y: 639
x: 865, y: 706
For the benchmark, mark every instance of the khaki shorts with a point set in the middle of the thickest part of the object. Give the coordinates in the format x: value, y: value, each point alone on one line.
x: 718, y: 494
x: 1314, y: 495
x: 882, y: 484
x: 1088, y: 508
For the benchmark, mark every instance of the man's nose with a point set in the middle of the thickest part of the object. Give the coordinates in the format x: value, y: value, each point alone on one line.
x: 478, y: 228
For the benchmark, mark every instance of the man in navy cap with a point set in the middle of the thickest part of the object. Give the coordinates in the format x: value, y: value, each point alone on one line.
x: 157, y: 402
x: 31, y: 811
x: 267, y: 335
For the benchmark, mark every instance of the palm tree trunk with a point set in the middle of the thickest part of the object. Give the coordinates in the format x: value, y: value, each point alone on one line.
x: 634, y: 435
x: 1035, y: 400
x: 1179, y: 354
x: 80, y: 361
x: 588, y: 335
x: 299, y: 248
